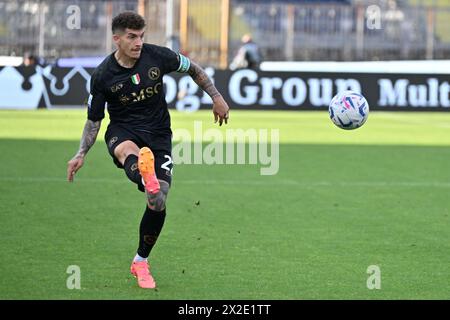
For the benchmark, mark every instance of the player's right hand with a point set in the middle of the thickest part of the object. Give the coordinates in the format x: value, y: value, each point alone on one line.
x: 73, y: 166
x: 220, y: 110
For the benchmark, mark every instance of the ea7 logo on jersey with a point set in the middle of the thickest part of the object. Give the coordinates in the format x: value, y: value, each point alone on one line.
x: 116, y: 87
x: 153, y: 73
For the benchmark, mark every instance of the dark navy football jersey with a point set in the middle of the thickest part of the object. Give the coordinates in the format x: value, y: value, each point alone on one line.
x: 135, y: 96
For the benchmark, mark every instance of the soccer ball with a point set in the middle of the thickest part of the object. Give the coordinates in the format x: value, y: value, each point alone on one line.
x: 348, y: 110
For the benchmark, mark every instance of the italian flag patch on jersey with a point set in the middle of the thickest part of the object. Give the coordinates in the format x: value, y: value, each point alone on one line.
x: 135, y: 78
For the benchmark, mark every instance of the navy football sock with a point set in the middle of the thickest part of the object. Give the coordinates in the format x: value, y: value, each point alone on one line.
x: 150, y: 228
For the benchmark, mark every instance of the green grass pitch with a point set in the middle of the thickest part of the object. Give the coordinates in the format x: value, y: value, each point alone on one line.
x: 341, y: 202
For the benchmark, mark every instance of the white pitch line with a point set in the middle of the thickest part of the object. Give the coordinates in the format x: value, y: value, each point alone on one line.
x: 268, y: 182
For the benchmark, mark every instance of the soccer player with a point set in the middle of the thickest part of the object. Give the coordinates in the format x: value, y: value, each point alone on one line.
x: 139, y: 137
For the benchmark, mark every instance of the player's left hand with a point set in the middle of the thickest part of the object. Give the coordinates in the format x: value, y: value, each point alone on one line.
x: 73, y: 166
x: 220, y: 110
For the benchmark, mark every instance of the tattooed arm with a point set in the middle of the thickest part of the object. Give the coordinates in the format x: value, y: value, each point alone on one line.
x: 220, y: 107
x: 90, y: 132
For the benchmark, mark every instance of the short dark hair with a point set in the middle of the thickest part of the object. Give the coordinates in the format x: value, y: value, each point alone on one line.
x: 127, y: 19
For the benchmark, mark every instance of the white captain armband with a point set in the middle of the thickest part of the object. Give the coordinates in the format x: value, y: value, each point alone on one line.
x: 185, y: 63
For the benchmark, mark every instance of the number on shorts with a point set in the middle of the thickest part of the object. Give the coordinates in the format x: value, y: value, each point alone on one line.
x: 166, y: 164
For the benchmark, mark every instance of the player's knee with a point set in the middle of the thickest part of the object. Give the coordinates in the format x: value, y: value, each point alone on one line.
x: 124, y: 149
x: 157, y: 202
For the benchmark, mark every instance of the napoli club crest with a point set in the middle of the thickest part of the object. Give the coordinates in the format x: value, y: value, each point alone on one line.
x: 153, y: 73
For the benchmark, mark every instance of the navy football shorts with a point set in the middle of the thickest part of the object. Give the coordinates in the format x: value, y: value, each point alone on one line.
x: 160, y: 144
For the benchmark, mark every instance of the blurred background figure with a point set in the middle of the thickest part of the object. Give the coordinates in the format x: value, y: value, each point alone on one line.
x: 248, y: 56
x: 30, y: 60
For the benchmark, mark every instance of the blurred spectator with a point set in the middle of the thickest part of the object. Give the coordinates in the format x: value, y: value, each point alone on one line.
x: 173, y: 42
x: 30, y: 60
x: 248, y: 56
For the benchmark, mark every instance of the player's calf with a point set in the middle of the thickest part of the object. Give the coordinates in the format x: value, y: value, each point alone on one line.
x: 126, y: 153
x: 131, y: 169
x: 157, y: 201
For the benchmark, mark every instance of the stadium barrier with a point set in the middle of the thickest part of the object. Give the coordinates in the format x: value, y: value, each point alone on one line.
x: 54, y: 87
x: 210, y: 31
